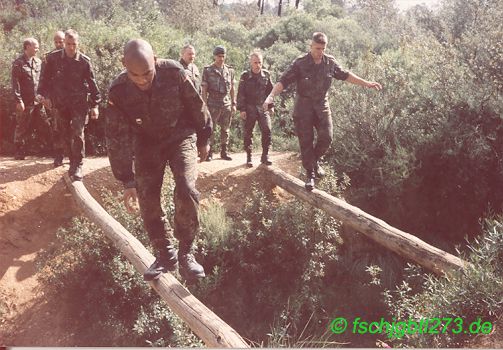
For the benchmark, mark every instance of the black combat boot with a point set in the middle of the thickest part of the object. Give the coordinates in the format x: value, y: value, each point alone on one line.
x: 210, y: 156
x: 319, y: 172
x: 223, y: 153
x: 75, y: 171
x: 249, y: 163
x: 20, y: 155
x: 310, y: 180
x: 165, y: 262
x: 189, y: 268
x: 265, y: 158
x: 58, y: 159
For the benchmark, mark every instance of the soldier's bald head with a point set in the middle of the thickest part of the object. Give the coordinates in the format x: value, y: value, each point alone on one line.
x: 139, y: 60
x: 138, y: 51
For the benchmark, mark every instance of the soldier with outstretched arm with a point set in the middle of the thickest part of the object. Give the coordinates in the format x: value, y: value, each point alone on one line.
x: 155, y: 113
x: 313, y: 74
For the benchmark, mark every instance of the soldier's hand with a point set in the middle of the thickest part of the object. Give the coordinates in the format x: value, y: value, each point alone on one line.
x: 47, y: 103
x: 202, y: 152
x: 95, y: 112
x: 271, y: 111
x: 233, y: 109
x: 20, y: 107
x: 269, y: 100
x: 242, y: 115
x: 130, y: 200
x: 374, y: 85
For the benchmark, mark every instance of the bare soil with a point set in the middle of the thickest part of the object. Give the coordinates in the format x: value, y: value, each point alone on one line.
x: 34, y: 203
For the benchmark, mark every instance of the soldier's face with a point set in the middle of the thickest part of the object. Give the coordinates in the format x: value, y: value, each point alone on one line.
x: 71, y: 46
x: 256, y: 64
x: 317, y: 50
x: 189, y: 55
x: 31, y: 50
x: 141, y: 73
x: 59, y: 42
x: 220, y: 59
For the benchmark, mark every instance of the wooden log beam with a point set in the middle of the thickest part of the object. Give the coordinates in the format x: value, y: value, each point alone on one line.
x: 402, y: 243
x: 202, y: 321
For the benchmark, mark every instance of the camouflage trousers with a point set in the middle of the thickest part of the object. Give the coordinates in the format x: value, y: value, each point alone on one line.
x: 254, y: 115
x: 221, y: 116
x: 68, y: 128
x: 33, y: 117
x: 308, y: 116
x: 150, y: 163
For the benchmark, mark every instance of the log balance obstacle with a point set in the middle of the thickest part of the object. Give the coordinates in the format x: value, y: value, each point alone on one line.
x: 202, y: 321
x: 402, y: 243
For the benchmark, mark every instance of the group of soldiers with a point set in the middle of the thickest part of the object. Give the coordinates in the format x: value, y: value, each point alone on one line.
x: 161, y: 112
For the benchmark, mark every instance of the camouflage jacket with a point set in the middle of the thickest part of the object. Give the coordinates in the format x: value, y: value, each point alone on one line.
x: 69, y: 81
x: 169, y: 112
x: 253, y: 89
x: 193, y: 73
x: 218, y: 84
x: 313, y: 80
x: 25, y: 78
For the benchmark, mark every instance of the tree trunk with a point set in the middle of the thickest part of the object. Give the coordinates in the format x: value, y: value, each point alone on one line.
x: 201, y: 320
x: 402, y: 243
x: 279, y: 7
x: 297, y: 4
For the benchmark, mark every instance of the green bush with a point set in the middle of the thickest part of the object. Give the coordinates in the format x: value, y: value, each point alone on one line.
x: 472, y: 294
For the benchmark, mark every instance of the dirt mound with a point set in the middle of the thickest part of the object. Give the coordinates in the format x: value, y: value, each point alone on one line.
x: 34, y: 203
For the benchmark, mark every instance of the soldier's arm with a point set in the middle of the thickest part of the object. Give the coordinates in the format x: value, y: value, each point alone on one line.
x: 204, y: 86
x: 241, y: 98
x: 94, y: 93
x: 45, y: 81
x: 196, y: 111
x: 356, y: 80
x: 232, y: 92
x: 119, y: 144
x: 16, y: 86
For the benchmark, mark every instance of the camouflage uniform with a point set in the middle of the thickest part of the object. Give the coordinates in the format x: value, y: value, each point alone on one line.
x: 25, y: 79
x: 70, y: 84
x: 159, y: 127
x: 193, y: 73
x: 219, y: 83
x: 252, y: 92
x: 311, y: 108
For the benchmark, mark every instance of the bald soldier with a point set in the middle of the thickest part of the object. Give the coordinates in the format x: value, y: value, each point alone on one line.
x: 155, y: 113
x: 313, y: 74
x: 25, y: 79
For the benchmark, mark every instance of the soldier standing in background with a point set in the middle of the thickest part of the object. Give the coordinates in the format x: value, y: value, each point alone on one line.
x: 313, y: 74
x: 68, y: 85
x: 155, y: 113
x: 59, y: 43
x: 254, y: 86
x: 25, y: 79
x: 187, y: 57
x: 218, y: 94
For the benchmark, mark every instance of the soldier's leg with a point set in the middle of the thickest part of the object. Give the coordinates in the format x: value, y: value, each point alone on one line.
x: 324, y: 130
x: 215, y: 113
x: 23, y: 121
x: 61, y: 131
x: 150, y: 164
x: 183, y: 161
x: 303, y: 117
x: 264, y: 123
x: 225, y: 124
x: 249, y: 124
x: 77, y: 143
x: 43, y: 127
